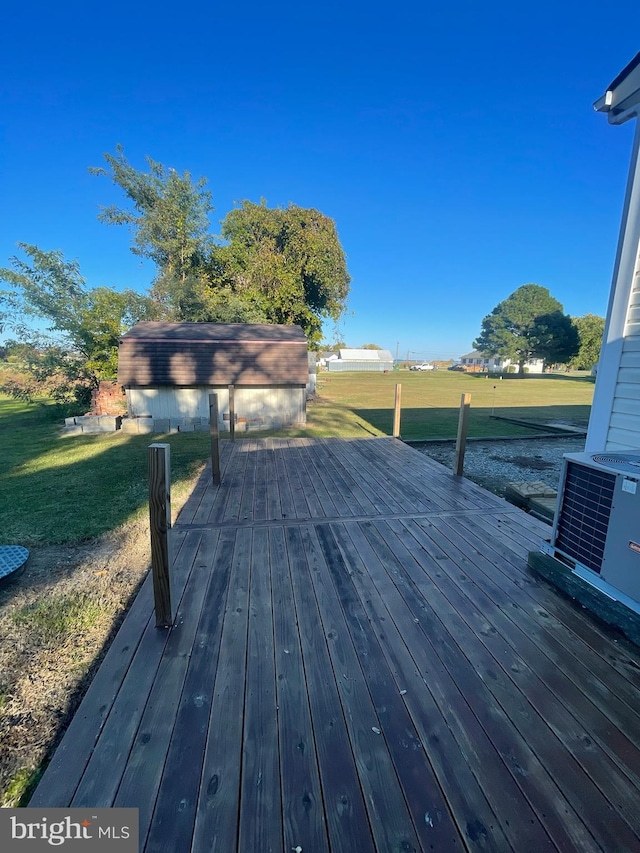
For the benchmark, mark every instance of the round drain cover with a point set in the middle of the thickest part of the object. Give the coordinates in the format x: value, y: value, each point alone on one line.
x: 12, y: 558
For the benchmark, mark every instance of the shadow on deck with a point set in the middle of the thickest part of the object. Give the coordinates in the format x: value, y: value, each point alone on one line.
x: 360, y: 661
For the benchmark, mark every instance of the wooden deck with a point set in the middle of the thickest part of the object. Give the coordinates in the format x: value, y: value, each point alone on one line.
x: 360, y: 662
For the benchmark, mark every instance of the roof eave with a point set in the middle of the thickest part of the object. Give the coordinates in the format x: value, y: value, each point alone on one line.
x: 603, y: 104
x: 621, y: 100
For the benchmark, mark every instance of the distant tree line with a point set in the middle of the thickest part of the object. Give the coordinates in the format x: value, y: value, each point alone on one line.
x: 267, y: 265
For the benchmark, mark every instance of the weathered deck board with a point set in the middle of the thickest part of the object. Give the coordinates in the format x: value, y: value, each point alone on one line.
x: 550, y: 692
x: 345, y: 812
x: 616, y: 697
x: 303, y: 814
x: 218, y: 801
x: 360, y: 661
x: 458, y: 748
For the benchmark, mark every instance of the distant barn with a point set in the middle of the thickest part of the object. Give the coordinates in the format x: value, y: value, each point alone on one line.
x: 379, y: 360
x: 169, y: 369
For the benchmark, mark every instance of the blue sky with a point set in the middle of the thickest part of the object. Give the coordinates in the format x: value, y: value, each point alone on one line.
x: 456, y: 148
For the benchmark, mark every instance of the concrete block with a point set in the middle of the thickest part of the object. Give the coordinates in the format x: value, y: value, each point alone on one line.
x: 70, y: 422
x: 161, y: 424
x: 129, y: 425
x: 110, y: 422
x: 145, y: 426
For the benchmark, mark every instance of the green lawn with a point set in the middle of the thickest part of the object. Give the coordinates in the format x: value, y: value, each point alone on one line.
x: 361, y: 404
x: 56, y: 488
x: 431, y: 401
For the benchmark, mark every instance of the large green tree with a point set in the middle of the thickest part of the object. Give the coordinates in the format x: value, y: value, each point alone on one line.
x: 529, y: 324
x: 590, y: 329
x: 169, y: 219
x: 70, y: 330
x: 270, y: 265
x: 286, y: 261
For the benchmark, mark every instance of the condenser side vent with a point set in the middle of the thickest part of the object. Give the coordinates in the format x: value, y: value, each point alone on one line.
x: 584, y: 514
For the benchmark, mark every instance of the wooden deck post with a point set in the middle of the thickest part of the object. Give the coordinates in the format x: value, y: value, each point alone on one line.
x: 159, y: 526
x: 215, y: 438
x: 232, y: 412
x: 461, y: 441
x: 396, y: 411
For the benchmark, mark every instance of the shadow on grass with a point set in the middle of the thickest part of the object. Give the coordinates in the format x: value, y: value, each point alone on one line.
x: 56, y: 489
x: 435, y: 422
x: 529, y: 377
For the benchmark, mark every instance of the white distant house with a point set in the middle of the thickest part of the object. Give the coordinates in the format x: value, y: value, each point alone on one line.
x: 477, y: 361
x: 379, y: 360
x: 615, y: 414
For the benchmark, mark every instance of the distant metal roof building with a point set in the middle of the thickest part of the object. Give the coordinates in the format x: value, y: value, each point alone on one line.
x: 366, y: 355
x: 374, y: 360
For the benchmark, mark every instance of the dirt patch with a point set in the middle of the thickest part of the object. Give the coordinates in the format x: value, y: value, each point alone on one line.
x: 528, y: 463
x: 56, y: 620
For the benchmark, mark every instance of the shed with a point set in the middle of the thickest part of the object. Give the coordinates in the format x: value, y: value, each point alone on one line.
x: 169, y: 369
x: 615, y: 414
x: 379, y: 360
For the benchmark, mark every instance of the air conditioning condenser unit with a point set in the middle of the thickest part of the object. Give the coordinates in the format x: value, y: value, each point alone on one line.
x: 596, y: 529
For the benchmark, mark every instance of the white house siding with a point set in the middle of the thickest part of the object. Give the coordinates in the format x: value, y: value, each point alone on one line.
x: 367, y: 366
x: 618, y: 377
x: 498, y: 364
x: 624, y: 423
x: 256, y: 408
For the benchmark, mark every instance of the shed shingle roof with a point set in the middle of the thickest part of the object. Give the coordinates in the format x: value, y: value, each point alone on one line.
x: 215, y: 332
x: 212, y: 354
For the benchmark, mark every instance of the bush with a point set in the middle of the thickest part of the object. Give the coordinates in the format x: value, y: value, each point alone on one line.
x: 57, y: 386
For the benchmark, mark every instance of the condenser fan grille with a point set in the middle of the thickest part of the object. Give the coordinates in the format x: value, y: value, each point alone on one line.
x: 584, y: 515
x: 626, y: 462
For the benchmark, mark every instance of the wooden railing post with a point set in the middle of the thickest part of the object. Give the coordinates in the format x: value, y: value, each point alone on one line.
x: 461, y: 441
x: 214, y: 432
x: 159, y: 526
x: 396, y: 411
x: 232, y: 412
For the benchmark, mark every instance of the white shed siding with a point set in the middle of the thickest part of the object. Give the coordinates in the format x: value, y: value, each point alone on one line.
x: 256, y: 408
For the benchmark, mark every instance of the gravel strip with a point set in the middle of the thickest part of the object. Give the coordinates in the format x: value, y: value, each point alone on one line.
x: 493, y: 464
